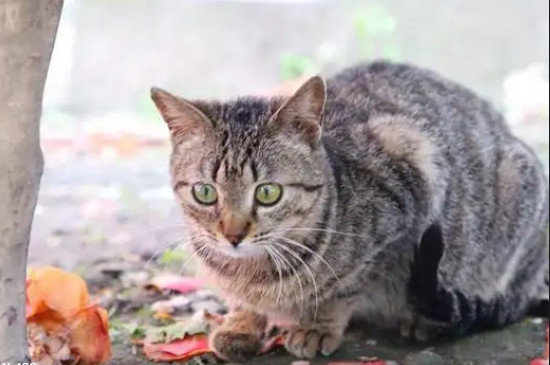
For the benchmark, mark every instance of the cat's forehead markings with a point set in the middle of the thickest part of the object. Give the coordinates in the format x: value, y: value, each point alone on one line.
x: 233, y: 173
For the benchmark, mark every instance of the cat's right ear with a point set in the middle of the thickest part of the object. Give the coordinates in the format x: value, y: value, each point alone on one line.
x: 181, y: 115
x: 302, y: 113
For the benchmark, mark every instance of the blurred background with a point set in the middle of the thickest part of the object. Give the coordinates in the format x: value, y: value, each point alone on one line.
x: 105, y: 190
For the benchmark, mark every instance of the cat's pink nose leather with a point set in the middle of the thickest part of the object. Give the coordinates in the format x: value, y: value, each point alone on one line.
x: 235, y: 240
x: 234, y: 228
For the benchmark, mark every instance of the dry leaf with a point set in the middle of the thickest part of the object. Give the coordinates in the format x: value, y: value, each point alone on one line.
x: 60, y: 316
x: 47, y: 349
x: 89, y: 335
x: 177, y: 350
x: 199, y: 323
x: 185, y: 340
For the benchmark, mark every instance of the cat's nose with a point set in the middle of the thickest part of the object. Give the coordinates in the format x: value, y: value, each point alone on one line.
x: 234, y: 228
x: 236, y: 239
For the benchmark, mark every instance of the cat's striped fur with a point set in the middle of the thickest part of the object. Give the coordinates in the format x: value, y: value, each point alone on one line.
x: 402, y: 154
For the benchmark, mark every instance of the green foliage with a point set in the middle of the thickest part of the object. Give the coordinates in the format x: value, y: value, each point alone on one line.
x: 173, y: 256
x: 375, y: 29
x: 295, y: 65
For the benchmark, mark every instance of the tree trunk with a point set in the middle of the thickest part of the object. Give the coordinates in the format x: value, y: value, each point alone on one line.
x: 27, y: 33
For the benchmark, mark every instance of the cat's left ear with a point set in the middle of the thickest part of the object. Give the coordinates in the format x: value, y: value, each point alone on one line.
x: 302, y: 113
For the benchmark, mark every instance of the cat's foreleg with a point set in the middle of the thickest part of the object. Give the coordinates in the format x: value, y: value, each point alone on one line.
x: 238, y: 339
x: 321, y: 332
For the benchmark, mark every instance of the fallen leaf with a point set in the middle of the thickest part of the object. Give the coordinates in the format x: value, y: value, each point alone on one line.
x: 89, y: 335
x: 61, y: 317
x: 54, y: 295
x: 163, y: 316
x: 45, y: 348
x: 199, y: 323
x: 187, y: 339
x: 181, y: 284
x: 177, y: 350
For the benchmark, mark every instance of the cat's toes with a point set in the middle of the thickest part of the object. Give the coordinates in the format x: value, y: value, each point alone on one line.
x: 418, y: 330
x: 330, y: 344
x: 306, y: 342
x: 235, y: 347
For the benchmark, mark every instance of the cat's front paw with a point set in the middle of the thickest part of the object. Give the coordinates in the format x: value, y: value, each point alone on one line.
x: 235, y: 346
x: 421, y: 329
x: 305, y: 342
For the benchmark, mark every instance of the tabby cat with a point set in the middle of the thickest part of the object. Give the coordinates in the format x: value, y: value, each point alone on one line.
x: 387, y: 192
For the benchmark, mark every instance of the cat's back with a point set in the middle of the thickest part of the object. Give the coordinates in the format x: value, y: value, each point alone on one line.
x: 365, y: 91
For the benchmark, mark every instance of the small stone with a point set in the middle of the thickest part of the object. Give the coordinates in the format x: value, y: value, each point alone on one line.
x: 135, y: 278
x: 179, y: 302
x: 371, y: 342
x: 210, y: 306
x: 204, y: 294
x: 426, y: 357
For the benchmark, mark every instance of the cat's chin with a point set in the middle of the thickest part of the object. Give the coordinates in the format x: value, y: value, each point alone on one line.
x: 243, y: 251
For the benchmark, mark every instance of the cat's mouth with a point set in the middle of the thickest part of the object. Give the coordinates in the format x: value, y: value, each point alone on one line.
x: 243, y: 251
x: 217, y: 245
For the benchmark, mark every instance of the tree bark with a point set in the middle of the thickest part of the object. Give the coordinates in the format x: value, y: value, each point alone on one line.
x: 27, y: 34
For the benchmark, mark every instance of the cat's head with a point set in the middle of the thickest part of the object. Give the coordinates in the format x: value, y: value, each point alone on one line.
x: 248, y: 170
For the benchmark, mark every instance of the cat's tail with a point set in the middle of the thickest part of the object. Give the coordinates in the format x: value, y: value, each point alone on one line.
x: 459, y: 312
x: 541, y: 306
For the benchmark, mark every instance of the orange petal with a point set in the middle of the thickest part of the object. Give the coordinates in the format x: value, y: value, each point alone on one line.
x: 89, y: 336
x: 52, y: 289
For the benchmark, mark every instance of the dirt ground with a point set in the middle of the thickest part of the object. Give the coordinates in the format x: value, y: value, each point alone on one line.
x: 514, y: 346
x: 99, y: 209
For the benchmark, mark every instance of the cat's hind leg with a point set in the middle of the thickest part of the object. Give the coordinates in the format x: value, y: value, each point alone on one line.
x: 447, y: 311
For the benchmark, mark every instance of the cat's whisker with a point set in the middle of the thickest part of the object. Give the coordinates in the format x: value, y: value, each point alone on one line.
x: 178, y: 242
x: 300, y: 301
x: 155, y: 229
x: 304, y: 247
x: 266, y: 244
x: 308, y: 269
x: 194, y: 255
x: 279, y: 271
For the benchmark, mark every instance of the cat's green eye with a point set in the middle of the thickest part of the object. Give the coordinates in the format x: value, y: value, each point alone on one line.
x: 205, y: 194
x: 268, y: 194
